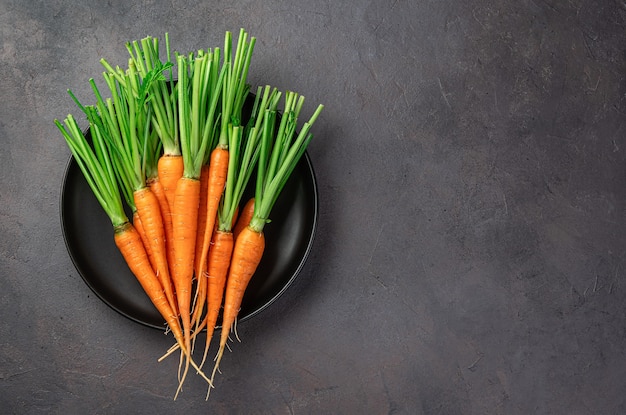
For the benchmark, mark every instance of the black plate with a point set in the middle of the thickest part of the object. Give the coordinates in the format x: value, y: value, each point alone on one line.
x: 88, y: 236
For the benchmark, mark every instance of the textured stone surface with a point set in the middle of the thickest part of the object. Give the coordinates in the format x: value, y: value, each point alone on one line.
x: 471, y: 247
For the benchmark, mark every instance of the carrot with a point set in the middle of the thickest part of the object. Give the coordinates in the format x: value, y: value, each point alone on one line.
x: 193, y: 100
x: 149, y: 211
x: 184, y: 223
x: 234, y: 92
x: 218, y: 264
x: 216, y: 179
x: 98, y: 169
x: 244, y: 217
x: 278, y: 155
x: 246, y: 256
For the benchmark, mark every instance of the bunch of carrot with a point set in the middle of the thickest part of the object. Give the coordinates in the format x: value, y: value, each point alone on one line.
x: 170, y: 143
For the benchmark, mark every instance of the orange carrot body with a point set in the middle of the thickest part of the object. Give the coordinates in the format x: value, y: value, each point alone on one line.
x: 170, y: 169
x: 158, y: 190
x: 219, y: 261
x: 142, y: 232
x: 218, y: 169
x: 149, y: 212
x: 185, y: 222
x: 247, y: 254
x: 216, y: 180
x: 128, y: 241
x: 244, y: 219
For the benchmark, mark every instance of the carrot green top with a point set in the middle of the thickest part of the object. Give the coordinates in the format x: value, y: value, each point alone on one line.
x: 199, y: 86
x: 96, y: 166
x: 279, y: 155
x: 244, y: 145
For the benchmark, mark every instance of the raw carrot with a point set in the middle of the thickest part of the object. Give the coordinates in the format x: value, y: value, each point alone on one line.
x: 234, y: 92
x: 209, y: 94
x: 279, y: 154
x: 216, y: 180
x: 184, y: 223
x: 149, y: 211
x: 193, y: 99
x: 246, y: 256
x: 99, y: 172
x: 218, y: 264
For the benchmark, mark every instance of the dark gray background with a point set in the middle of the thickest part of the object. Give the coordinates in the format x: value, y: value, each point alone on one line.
x: 472, y: 181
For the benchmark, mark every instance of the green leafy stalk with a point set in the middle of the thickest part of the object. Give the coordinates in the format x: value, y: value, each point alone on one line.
x: 279, y: 155
x: 244, y: 146
x: 199, y: 90
x: 155, y: 87
x: 235, y: 87
x: 96, y: 169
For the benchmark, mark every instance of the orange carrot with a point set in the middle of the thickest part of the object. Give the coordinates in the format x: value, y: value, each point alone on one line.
x: 195, y: 96
x: 219, y: 262
x: 216, y: 179
x: 244, y: 218
x: 246, y: 256
x: 149, y: 211
x: 279, y: 154
x: 184, y: 221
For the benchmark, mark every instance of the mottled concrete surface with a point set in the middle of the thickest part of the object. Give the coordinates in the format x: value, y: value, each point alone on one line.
x: 470, y: 259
